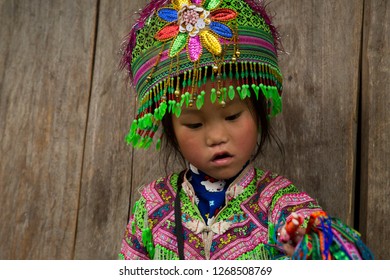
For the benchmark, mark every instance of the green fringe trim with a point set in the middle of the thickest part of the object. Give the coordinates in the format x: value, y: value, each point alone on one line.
x: 162, y: 253
x: 258, y: 253
x: 143, y: 129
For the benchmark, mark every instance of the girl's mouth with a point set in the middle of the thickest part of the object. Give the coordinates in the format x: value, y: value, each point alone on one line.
x: 221, y: 158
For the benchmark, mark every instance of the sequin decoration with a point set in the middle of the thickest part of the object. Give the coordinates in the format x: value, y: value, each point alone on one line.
x: 195, y: 26
x: 178, y: 44
x: 194, y: 48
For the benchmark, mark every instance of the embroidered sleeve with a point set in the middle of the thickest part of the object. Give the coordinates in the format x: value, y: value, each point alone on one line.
x: 280, y: 198
x: 327, y: 238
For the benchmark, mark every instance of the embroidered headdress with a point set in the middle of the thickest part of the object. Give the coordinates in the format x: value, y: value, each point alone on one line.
x: 176, y: 46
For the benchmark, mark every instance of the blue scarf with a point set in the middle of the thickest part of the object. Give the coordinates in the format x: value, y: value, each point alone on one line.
x: 209, y: 191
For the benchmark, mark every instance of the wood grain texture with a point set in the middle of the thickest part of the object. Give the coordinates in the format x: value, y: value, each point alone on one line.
x: 375, y: 170
x: 318, y: 125
x: 45, y: 73
x: 107, y: 167
x: 68, y: 180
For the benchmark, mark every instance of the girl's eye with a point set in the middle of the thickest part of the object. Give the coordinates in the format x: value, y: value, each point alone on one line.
x: 233, y: 117
x: 193, y: 125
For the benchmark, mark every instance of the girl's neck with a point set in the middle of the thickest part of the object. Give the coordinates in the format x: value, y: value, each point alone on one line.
x: 194, y: 171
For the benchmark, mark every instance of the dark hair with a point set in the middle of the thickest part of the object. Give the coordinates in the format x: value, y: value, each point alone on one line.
x: 259, y: 107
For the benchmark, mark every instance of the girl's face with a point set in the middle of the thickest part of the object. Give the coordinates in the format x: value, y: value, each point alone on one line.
x: 217, y: 140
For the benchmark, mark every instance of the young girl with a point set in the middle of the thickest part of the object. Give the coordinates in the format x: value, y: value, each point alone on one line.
x: 207, y: 71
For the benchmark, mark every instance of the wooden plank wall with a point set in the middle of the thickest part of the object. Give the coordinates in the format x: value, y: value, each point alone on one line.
x: 46, y: 58
x: 67, y: 179
x: 375, y: 162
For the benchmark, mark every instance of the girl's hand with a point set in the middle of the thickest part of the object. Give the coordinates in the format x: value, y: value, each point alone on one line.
x: 291, y: 233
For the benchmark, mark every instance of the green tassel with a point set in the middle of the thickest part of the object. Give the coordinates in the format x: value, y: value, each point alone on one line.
x: 171, y: 90
x: 178, y: 110
x: 205, y: 75
x: 256, y: 90
x: 231, y: 92
x: 141, y: 123
x: 157, y: 114
x: 242, y: 70
x: 134, y: 126
x: 129, y: 138
x: 148, y: 142
x: 239, y: 92
x: 248, y: 91
x: 213, y: 95
x: 171, y: 104
x: 245, y: 92
x: 224, y: 93
x: 135, y: 140
x: 272, y: 93
x: 147, y: 240
x: 200, y: 100
x: 277, y: 102
x: 253, y: 72
x: 163, y: 109
x: 149, y: 120
x: 265, y: 91
x: 140, y: 142
x: 186, y: 98
x: 230, y: 72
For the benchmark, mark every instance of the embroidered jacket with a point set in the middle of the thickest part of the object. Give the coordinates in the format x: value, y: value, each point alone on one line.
x: 257, y: 203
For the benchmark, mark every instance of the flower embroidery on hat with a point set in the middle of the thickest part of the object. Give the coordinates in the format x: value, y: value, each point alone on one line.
x: 195, y: 24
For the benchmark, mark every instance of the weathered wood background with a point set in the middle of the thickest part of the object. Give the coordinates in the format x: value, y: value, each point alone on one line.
x: 67, y: 179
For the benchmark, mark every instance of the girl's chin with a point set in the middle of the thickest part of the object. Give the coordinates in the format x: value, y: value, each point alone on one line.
x: 223, y: 173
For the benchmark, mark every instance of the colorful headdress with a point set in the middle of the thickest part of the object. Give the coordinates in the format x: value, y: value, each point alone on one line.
x: 177, y: 46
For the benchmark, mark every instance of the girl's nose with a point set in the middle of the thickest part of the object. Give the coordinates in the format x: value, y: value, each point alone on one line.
x: 216, y: 134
